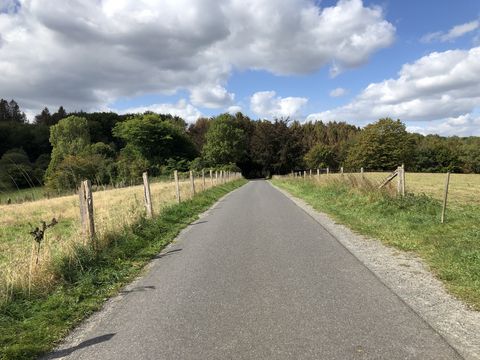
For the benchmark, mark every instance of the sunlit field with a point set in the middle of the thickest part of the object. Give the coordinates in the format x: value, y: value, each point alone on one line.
x: 463, y: 188
x: 113, y: 209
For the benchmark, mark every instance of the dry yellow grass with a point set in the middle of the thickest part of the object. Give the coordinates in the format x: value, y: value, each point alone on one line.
x: 113, y: 210
x: 464, y: 189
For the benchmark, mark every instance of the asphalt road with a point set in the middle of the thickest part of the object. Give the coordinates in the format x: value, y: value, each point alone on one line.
x: 257, y: 278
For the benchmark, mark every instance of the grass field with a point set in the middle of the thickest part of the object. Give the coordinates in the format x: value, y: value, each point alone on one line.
x: 452, y: 249
x: 463, y: 189
x: 114, y: 209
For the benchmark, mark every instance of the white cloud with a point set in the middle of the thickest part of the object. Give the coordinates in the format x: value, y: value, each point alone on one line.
x: 441, y: 85
x: 338, y: 92
x: 182, y: 109
x: 215, y: 96
x: 86, y: 54
x: 463, y: 125
x: 454, y: 33
x: 265, y: 104
x: 234, y: 109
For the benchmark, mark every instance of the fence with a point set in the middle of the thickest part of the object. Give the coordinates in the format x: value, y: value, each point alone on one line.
x: 47, y: 228
x: 86, y: 198
x: 399, y: 174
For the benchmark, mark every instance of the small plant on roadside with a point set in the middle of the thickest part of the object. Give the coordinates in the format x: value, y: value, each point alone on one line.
x: 39, y: 234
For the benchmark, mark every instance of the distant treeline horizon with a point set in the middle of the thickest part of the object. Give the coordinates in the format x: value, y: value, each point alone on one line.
x: 58, y: 149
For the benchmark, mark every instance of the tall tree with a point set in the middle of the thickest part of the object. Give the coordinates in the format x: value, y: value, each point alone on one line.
x: 156, y: 138
x: 225, y: 141
x: 44, y: 118
x: 383, y: 145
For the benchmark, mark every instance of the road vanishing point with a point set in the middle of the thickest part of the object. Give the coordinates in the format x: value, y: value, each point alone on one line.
x: 256, y: 278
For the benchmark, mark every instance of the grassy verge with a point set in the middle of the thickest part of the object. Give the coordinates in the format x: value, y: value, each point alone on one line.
x: 31, y: 325
x: 452, y: 249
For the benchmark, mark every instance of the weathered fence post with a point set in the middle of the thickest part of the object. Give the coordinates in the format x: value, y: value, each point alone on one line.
x: 86, y: 210
x: 211, y: 177
x: 177, y: 186
x: 401, y: 181
x: 361, y: 171
x: 341, y: 170
x: 318, y: 174
x: 304, y: 174
x: 203, y: 179
x: 192, y: 183
x: 310, y: 172
x: 147, y: 195
x: 445, y: 195
x: 216, y: 177
x: 328, y: 170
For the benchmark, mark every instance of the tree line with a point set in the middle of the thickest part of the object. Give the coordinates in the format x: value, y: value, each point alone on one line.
x: 59, y: 149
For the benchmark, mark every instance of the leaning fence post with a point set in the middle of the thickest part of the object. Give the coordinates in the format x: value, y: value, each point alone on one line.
x: 192, y: 182
x: 147, y: 195
x: 177, y: 186
x: 86, y: 210
x: 445, y: 194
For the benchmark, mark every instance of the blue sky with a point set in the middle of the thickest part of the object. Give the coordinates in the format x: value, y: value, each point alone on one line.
x: 309, y: 60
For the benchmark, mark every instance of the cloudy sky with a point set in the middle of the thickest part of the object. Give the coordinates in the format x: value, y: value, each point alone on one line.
x: 345, y: 60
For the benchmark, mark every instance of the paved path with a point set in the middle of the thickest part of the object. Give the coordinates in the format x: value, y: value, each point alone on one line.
x: 257, y: 278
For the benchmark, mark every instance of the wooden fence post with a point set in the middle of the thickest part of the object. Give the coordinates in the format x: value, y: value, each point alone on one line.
x: 328, y: 170
x: 361, y: 171
x: 147, y: 195
x: 310, y: 172
x: 399, y: 181
x: 216, y: 177
x: 211, y: 177
x: 192, y: 182
x: 341, y: 170
x: 203, y: 179
x: 177, y: 186
x: 445, y: 195
x: 86, y: 210
x: 318, y: 173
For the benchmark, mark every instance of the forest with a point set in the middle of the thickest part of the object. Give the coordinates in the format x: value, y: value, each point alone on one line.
x: 60, y: 149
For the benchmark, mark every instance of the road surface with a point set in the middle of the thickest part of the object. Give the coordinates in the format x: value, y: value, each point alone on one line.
x: 257, y: 278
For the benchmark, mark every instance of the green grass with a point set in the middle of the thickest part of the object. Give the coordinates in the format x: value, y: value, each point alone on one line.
x: 452, y: 249
x: 32, y: 325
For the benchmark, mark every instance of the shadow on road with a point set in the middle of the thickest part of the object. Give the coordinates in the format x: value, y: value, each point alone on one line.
x: 84, y: 344
x: 138, y: 289
x: 168, y: 253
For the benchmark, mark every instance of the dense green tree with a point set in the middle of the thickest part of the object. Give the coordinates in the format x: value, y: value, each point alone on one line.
x: 225, y: 141
x: 70, y: 139
x: 320, y: 156
x: 16, y: 171
x: 44, y: 118
x: 197, y: 132
x: 383, y: 145
x: 10, y: 112
x: 156, y: 139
